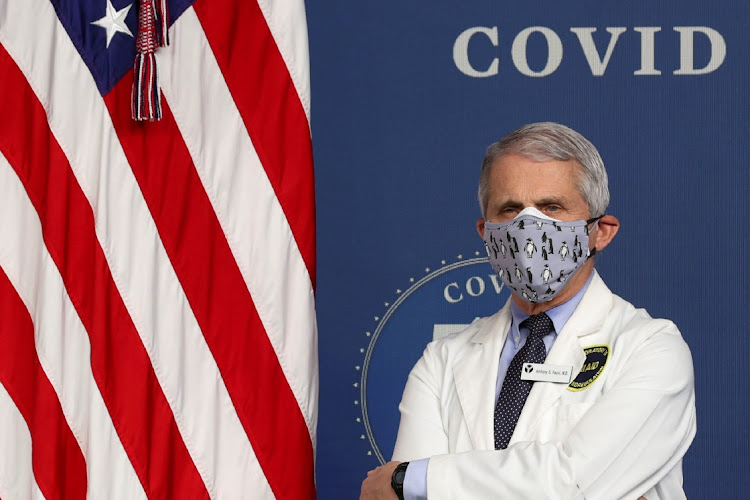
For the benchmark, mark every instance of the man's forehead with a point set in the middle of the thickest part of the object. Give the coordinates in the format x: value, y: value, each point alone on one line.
x: 518, y: 160
x: 542, y: 172
x: 522, y: 180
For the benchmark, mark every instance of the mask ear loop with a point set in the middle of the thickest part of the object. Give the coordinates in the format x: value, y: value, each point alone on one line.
x: 595, y: 221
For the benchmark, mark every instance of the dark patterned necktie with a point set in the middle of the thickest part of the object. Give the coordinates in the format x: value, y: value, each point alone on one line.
x: 515, y: 391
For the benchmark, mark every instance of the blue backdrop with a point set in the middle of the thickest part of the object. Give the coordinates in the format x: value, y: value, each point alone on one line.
x: 404, y: 106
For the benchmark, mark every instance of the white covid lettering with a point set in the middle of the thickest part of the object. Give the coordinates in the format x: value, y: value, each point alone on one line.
x: 461, y: 52
x: 597, y: 64
x: 479, y: 288
x: 496, y: 283
x: 475, y: 286
x: 687, y: 61
x: 449, y: 297
x: 648, y: 64
x: 554, y: 51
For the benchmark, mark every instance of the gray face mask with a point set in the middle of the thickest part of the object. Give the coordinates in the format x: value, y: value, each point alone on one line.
x: 535, y: 255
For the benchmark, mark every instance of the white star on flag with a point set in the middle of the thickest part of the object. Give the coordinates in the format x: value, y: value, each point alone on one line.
x: 114, y: 21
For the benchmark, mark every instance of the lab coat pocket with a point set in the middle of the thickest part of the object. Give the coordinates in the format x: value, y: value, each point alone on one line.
x: 559, y: 421
x: 572, y: 411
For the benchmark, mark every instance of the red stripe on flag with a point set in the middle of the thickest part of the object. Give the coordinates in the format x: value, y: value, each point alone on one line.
x: 266, y: 98
x: 120, y: 364
x: 59, y: 467
x: 223, y: 307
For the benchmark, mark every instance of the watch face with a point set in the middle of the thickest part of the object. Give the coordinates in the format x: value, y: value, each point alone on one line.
x: 399, y: 477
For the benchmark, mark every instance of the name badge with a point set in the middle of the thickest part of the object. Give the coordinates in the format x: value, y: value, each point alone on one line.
x: 546, y: 373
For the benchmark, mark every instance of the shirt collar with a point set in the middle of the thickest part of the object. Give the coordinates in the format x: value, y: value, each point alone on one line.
x: 558, y: 314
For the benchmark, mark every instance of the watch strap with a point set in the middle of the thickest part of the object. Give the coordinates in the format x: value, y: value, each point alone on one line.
x: 397, y: 479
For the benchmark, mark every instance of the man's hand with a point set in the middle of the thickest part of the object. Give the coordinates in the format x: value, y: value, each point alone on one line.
x: 377, y: 485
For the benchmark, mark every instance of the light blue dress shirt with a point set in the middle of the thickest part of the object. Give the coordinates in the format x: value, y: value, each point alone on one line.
x: 415, y: 480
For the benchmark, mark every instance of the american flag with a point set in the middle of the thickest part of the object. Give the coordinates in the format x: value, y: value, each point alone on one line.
x: 157, y: 322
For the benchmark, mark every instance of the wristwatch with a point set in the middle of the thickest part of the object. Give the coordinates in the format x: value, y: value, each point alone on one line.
x: 397, y: 479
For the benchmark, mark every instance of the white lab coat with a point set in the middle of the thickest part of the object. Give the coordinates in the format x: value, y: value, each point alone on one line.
x: 622, y: 437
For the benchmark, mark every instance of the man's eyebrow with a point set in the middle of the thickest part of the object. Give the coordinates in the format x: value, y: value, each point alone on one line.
x: 510, y: 204
x: 547, y: 200
x: 550, y: 200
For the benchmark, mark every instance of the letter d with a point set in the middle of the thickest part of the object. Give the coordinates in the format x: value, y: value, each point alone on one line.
x: 687, y: 62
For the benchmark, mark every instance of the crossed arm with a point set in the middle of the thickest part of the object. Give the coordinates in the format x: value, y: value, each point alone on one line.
x: 630, y: 439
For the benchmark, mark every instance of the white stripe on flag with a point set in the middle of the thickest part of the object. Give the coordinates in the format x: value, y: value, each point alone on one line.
x: 62, y: 343
x: 139, y: 264
x: 246, y: 206
x: 288, y: 24
x: 16, y: 475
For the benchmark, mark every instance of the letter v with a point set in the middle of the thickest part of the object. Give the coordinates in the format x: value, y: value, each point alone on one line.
x: 597, y: 65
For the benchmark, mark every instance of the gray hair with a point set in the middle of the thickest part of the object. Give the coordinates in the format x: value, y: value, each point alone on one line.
x: 547, y: 141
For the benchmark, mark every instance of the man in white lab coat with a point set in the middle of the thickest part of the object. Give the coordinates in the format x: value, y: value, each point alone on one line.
x: 605, y: 392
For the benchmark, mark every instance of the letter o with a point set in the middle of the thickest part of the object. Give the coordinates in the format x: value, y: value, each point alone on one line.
x: 470, y: 289
x: 554, y: 51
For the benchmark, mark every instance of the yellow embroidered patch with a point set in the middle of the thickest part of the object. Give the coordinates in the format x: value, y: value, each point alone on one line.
x: 593, y: 366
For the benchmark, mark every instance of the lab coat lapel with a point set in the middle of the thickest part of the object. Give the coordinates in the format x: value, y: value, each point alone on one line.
x: 567, y: 351
x: 475, y: 376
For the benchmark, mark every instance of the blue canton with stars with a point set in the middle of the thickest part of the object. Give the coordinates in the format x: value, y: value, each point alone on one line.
x: 99, y: 31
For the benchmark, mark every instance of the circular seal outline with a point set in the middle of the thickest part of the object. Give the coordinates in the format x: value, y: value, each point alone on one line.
x: 379, y: 328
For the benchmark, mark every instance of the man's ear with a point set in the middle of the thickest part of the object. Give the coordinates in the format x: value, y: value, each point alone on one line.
x: 480, y: 227
x: 606, y: 230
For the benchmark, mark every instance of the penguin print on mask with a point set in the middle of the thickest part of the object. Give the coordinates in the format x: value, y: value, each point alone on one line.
x: 493, y: 245
x: 542, y: 274
x: 529, y: 248
x: 564, y: 251
x: 546, y: 274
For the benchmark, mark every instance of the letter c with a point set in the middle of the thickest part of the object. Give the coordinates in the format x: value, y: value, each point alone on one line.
x: 461, y: 52
x: 447, y: 294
